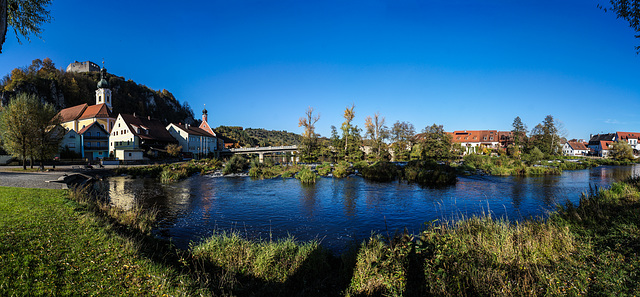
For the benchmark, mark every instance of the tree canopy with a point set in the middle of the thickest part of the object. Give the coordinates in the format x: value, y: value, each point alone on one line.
x: 628, y: 10
x: 26, y: 17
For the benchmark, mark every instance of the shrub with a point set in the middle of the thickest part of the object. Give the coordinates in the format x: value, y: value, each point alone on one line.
x: 381, y: 171
x: 306, y: 176
x: 237, y: 164
x: 324, y: 169
x: 342, y: 169
x: 430, y: 173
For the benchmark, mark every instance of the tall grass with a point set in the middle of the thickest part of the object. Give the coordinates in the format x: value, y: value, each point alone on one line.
x: 306, y: 176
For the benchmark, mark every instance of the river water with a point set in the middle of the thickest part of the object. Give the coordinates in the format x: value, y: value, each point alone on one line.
x: 339, y: 212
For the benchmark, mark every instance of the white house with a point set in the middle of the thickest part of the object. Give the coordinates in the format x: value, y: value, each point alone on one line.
x: 193, y: 139
x: 631, y: 138
x: 136, y: 134
x: 574, y: 148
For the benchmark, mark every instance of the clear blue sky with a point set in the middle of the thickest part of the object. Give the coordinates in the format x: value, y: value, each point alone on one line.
x: 464, y: 64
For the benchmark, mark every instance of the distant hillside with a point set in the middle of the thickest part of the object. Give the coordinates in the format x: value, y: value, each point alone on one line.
x: 258, y: 137
x: 66, y: 89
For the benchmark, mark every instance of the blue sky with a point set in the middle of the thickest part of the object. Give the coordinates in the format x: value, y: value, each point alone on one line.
x: 467, y: 65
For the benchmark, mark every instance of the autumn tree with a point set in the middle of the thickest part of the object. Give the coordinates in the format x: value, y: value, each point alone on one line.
x: 351, y: 139
x: 16, y: 126
x: 48, y: 133
x: 26, y: 17
x: 402, y: 134
x: 174, y: 149
x: 378, y: 133
x: 621, y: 150
x: 309, y: 146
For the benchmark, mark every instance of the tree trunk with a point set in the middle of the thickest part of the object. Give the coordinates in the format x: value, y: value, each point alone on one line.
x: 3, y: 22
x: 24, y: 152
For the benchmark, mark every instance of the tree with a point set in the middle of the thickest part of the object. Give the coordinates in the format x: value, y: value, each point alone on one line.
x: 48, y: 133
x: 621, y: 150
x: 402, y: 135
x: 309, y: 145
x: 377, y: 132
x: 16, y: 126
x: 436, y: 144
x: 545, y: 137
x: 26, y: 17
x: 628, y: 10
x: 174, y: 149
x: 519, y: 131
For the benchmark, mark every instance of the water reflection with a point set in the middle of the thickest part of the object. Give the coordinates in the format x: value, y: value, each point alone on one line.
x: 340, y: 210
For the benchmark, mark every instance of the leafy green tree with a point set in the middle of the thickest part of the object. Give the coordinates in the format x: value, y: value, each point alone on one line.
x: 402, y: 134
x: 309, y: 147
x: 26, y: 17
x: 436, y: 144
x: 628, y: 10
x: 17, y: 126
x: 621, y: 150
x: 378, y: 133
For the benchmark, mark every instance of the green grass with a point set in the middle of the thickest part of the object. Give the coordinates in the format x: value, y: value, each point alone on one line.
x: 48, y: 246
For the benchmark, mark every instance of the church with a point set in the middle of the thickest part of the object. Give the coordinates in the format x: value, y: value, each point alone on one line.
x: 88, y: 126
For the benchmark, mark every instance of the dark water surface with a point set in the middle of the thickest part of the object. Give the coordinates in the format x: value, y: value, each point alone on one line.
x: 341, y: 211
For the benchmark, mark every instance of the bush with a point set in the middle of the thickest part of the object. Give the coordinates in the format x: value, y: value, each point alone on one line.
x: 342, y: 169
x: 324, y: 169
x: 430, y: 174
x: 237, y: 164
x: 306, y: 176
x: 381, y: 171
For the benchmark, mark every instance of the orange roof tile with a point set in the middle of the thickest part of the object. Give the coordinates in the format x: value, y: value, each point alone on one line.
x: 96, y: 111
x: 72, y: 113
x: 577, y: 145
x: 628, y: 135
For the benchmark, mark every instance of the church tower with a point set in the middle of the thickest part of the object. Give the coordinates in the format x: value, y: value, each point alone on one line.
x: 103, y: 93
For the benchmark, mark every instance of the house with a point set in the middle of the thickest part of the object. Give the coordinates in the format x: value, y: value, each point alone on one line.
x: 95, y: 142
x: 132, y: 135
x: 631, y: 138
x: 221, y: 142
x: 472, y: 140
x: 193, y: 139
x: 71, y: 142
x: 574, y: 148
x: 595, y: 143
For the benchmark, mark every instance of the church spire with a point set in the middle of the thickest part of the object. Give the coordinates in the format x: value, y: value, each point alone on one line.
x: 103, y: 93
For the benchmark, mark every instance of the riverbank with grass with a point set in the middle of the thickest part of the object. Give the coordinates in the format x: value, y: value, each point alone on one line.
x: 56, y: 242
x: 168, y: 173
x: 506, y: 166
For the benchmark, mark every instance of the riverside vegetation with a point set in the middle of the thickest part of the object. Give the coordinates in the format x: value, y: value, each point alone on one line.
x: 54, y: 242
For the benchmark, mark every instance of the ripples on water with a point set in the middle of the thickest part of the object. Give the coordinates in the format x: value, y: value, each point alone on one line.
x: 342, y: 211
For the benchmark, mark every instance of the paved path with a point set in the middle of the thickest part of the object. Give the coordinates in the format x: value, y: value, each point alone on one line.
x: 31, y: 179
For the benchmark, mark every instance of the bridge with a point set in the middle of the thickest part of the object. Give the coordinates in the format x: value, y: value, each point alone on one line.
x: 261, y: 151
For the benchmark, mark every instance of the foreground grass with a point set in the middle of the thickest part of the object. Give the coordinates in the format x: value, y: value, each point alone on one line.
x: 48, y: 246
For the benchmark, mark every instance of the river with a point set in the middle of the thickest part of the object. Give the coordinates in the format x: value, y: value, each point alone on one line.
x: 339, y: 212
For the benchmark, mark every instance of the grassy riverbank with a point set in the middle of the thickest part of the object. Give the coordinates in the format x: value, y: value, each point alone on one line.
x: 505, y: 166
x: 50, y: 245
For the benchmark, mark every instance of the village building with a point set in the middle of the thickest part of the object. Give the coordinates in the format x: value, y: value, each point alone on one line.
x: 71, y: 141
x: 95, y: 142
x: 575, y: 148
x: 133, y: 135
x: 472, y: 140
x: 80, y: 116
x: 199, y: 142
x: 631, y: 138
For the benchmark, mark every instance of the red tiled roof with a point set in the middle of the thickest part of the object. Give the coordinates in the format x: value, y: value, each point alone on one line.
x: 96, y: 111
x: 194, y: 130
x: 628, y: 135
x: 205, y: 126
x: 157, y: 130
x: 577, y: 145
x: 475, y: 136
x: 72, y: 113
x: 605, y: 144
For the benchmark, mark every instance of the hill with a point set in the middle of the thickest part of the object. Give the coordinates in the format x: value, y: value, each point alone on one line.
x: 258, y: 137
x: 66, y: 89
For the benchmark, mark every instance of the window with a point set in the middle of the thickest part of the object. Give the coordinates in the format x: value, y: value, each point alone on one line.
x: 99, y: 98
x: 118, y: 125
x: 89, y: 134
x: 100, y: 153
x: 88, y: 144
x: 129, y: 154
x: 98, y: 134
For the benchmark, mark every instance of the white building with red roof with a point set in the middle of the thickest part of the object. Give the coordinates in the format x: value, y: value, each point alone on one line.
x: 575, y: 148
x: 198, y: 141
